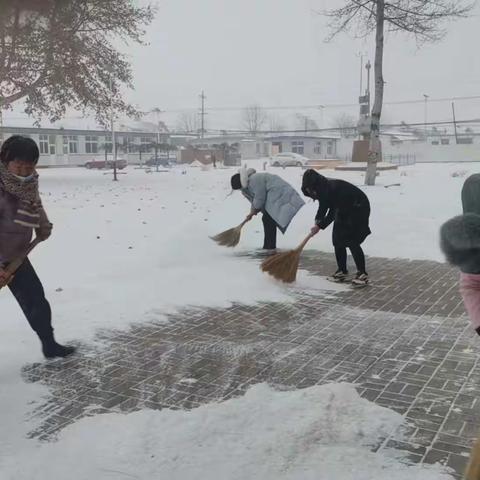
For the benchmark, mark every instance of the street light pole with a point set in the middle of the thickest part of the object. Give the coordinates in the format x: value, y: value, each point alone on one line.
x: 114, y: 143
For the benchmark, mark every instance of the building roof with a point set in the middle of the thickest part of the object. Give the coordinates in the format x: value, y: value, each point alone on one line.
x: 302, y: 137
x: 70, y: 131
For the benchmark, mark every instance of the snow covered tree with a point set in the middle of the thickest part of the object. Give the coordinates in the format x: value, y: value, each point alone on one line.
x: 56, y: 54
x: 422, y: 19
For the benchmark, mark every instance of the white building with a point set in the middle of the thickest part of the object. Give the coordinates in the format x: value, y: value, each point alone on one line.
x: 70, y: 147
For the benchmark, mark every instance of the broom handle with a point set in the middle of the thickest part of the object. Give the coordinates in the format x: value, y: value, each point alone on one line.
x: 244, y: 222
x: 15, y: 264
x: 305, y: 241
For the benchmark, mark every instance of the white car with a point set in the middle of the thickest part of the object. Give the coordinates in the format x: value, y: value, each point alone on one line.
x: 288, y: 160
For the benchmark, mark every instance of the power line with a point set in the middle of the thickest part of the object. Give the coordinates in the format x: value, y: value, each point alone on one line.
x: 328, y: 106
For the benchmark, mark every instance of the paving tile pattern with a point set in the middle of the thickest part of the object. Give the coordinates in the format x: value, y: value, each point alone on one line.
x: 404, y: 342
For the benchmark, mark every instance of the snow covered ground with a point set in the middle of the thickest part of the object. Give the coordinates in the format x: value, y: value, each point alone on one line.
x: 135, y: 250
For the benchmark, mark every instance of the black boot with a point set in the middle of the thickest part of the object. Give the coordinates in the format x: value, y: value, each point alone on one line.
x: 52, y: 349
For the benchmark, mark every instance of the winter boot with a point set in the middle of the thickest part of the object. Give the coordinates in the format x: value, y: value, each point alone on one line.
x: 360, y: 280
x: 52, y: 349
x: 339, y: 276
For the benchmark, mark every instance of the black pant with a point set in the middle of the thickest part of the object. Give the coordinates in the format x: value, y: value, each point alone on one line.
x: 270, y: 232
x: 357, y: 254
x: 28, y: 290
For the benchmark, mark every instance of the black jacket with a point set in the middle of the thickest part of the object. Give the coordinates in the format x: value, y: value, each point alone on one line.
x: 337, y: 199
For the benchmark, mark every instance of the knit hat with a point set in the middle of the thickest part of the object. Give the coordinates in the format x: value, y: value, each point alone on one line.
x: 236, y: 182
x: 460, y: 242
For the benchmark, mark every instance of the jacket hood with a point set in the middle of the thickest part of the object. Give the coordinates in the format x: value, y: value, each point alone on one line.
x: 471, y: 194
x: 313, y: 182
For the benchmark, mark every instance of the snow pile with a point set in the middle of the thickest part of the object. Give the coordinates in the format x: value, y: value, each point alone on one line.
x: 320, y: 433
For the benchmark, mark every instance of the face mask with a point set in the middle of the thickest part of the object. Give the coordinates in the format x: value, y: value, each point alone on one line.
x: 24, y: 179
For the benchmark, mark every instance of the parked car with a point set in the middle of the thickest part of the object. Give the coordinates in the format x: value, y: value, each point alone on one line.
x: 162, y: 161
x: 104, y: 165
x: 288, y: 160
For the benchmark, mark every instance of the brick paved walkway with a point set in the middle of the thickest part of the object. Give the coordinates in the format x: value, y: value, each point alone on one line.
x: 404, y: 341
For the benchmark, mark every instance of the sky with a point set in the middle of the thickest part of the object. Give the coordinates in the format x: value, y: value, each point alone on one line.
x: 273, y: 53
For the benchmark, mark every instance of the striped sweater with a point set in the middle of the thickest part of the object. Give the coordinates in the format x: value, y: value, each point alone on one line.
x: 16, y: 226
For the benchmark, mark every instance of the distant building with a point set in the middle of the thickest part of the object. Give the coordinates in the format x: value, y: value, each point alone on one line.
x: 251, y: 147
x: 70, y: 147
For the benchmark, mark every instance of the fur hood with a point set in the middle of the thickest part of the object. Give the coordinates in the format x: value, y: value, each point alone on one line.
x: 460, y: 242
x: 245, y: 174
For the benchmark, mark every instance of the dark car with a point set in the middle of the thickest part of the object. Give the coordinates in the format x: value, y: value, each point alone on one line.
x: 102, y: 164
x: 160, y: 161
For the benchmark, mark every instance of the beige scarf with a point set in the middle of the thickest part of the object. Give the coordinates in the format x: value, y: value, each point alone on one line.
x: 28, y: 213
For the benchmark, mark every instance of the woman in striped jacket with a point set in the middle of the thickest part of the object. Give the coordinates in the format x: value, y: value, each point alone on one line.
x: 21, y: 213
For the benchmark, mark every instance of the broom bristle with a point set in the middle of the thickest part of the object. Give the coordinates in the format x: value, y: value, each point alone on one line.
x: 473, y: 468
x: 228, y: 238
x: 283, y: 266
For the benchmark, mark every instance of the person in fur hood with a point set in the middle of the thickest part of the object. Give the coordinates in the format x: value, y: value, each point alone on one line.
x: 269, y: 194
x: 348, y: 208
x: 21, y: 213
x: 460, y: 243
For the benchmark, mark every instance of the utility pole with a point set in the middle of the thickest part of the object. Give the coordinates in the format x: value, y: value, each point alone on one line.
x: 455, y: 123
x: 202, y: 114
x: 426, y: 114
x: 322, y: 110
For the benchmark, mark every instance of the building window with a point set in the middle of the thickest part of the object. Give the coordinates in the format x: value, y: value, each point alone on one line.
x: 145, y: 144
x: 43, y: 144
x: 330, y: 146
x: 445, y: 141
x: 297, y: 147
x: 52, y: 144
x: 47, y: 144
x: 107, y: 144
x: 70, y: 144
x: 435, y: 142
x: 91, y: 144
x: 318, y: 148
x: 128, y: 144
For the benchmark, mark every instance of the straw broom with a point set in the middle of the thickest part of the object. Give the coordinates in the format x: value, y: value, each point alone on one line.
x: 473, y: 469
x: 283, y: 266
x: 231, y: 237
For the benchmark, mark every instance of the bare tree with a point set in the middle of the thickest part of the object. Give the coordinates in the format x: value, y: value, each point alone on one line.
x: 275, y: 124
x: 254, y: 118
x: 423, y: 19
x: 56, y: 54
x: 306, y: 123
x: 346, y: 124
x: 187, y: 122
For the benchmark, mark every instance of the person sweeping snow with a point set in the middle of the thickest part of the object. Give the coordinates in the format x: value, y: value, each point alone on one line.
x: 348, y: 208
x: 278, y: 201
x: 21, y: 213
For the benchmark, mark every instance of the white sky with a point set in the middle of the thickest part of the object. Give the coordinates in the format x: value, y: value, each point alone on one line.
x: 272, y: 52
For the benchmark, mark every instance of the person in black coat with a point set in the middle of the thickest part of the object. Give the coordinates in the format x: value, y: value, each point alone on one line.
x: 348, y: 208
